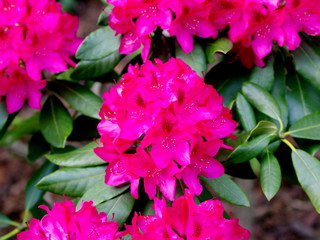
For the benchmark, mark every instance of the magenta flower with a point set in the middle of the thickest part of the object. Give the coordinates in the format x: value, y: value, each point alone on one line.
x: 162, y: 123
x: 63, y: 222
x: 34, y: 36
x: 186, y: 220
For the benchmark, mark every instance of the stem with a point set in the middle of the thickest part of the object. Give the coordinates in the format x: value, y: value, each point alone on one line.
x: 10, y: 234
x: 289, y: 144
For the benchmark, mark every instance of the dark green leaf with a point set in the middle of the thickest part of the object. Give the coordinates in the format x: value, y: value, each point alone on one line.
x: 307, y: 127
x: 73, y: 182
x: 250, y: 149
x: 308, y: 172
x: 302, y: 98
x: 221, y: 45
x: 264, y: 77
x: 279, y: 91
x: 37, y: 147
x: 99, y: 44
x: 245, y: 112
x: 55, y: 122
x: 227, y: 189
x: 5, y: 221
x: 33, y: 194
x: 20, y: 127
x: 307, y: 63
x: 100, y: 192
x: 66, y: 75
x: 81, y: 157
x: 118, y: 208
x: 79, y: 97
x: 84, y: 129
x: 3, y: 115
x: 88, y: 69
x: 270, y: 175
x: 196, y: 59
x: 261, y: 100
x: 264, y: 127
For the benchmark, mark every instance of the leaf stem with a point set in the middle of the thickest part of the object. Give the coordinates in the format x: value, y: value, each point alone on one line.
x: 289, y: 144
x: 10, y: 234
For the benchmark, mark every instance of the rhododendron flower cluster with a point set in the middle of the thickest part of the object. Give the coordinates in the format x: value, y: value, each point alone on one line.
x: 34, y: 36
x: 64, y: 222
x: 253, y: 25
x: 186, y: 220
x: 162, y: 123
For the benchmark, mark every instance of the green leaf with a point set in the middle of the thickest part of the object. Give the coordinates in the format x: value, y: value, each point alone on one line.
x: 307, y: 63
x: 33, y: 194
x: 79, y: 97
x: 250, y: 149
x: 55, y: 122
x: 245, y: 112
x: 264, y: 77
x: 20, y: 127
x: 5, y: 221
x: 270, y: 175
x: 100, y: 192
x: 307, y: 127
x: 302, y: 98
x: 88, y: 69
x: 73, y: 182
x: 227, y: 189
x: 279, y: 91
x: 221, y: 45
x: 264, y: 127
x: 196, y: 59
x: 118, y: 208
x: 80, y: 157
x: 308, y: 172
x: 3, y: 115
x: 99, y: 44
x: 37, y: 147
x: 261, y: 100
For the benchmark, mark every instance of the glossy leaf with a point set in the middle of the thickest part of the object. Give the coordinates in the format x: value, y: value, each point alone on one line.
x: 307, y: 63
x: 196, y: 59
x: 245, y: 112
x: 308, y: 172
x: 302, y: 98
x: 250, y: 149
x: 264, y: 77
x: 37, y: 147
x: 227, y: 189
x: 3, y: 115
x: 279, y: 91
x: 33, y: 194
x: 73, y: 182
x: 79, y: 97
x: 270, y: 175
x: 264, y: 127
x: 20, y: 127
x: 221, y: 45
x: 55, y: 122
x: 100, y: 192
x: 99, y: 44
x: 88, y: 69
x: 5, y: 221
x: 80, y: 157
x: 118, y: 208
x: 261, y: 100
x: 307, y: 127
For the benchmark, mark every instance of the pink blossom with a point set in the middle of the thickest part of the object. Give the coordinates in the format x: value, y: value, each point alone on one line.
x: 34, y: 36
x: 187, y: 220
x: 162, y: 123
x: 63, y: 222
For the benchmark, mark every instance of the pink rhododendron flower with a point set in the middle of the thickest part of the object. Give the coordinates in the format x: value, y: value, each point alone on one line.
x: 63, y: 222
x: 186, y: 220
x: 162, y: 123
x: 34, y: 36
